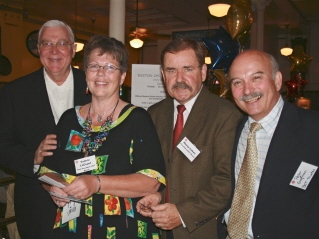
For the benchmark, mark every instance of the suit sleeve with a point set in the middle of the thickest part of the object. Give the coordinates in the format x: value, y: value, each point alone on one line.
x: 14, y: 153
x: 209, y: 203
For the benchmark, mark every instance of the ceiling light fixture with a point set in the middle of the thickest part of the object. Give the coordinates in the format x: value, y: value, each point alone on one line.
x: 136, y: 42
x: 286, y: 51
x: 219, y: 9
x: 208, y: 60
x: 79, y: 45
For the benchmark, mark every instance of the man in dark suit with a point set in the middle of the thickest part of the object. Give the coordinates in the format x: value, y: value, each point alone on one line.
x: 29, y: 110
x: 286, y: 187
x: 198, y: 186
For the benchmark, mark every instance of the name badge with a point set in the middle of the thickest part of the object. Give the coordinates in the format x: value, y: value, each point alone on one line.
x: 85, y: 164
x: 188, y: 149
x: 70, y: 211
x: 303, y: 175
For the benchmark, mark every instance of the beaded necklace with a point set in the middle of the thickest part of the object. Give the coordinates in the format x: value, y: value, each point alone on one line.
x: 90, y: 147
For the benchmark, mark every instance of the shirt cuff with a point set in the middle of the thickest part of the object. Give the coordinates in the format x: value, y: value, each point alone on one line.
x: 36, y: 168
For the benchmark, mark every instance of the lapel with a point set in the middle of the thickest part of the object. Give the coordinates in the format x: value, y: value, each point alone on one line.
x: 79, y: 86
x: 166, y: 120
x: 195, y: 118
x: 41, y: 98
x: 279, y: 154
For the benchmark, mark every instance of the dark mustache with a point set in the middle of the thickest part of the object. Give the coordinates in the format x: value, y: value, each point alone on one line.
x: 251, y: 96
x: 182, y: 85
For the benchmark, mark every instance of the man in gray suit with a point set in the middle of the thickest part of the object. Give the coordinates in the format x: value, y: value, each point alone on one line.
x: 198, y: 166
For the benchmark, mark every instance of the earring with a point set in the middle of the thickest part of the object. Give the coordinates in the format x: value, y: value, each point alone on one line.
x: 121, y: 92
x: 87, y: 90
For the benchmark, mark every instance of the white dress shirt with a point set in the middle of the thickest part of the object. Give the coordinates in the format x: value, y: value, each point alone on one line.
x: 188, y: 105
x: 263, y: 139
x: 61, y: 96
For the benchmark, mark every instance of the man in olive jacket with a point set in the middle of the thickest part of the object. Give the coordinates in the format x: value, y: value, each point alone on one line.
x: 197, y: 189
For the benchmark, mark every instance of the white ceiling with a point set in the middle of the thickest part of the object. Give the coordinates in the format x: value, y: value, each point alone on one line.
x: 161, y: 16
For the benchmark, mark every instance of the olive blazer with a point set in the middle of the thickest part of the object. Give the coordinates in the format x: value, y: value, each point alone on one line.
x: 200, y: 189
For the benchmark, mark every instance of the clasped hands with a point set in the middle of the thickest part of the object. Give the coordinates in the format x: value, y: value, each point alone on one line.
x: 165, y: 216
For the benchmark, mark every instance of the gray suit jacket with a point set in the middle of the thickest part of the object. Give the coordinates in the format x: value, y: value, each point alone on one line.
x: 200, y: 189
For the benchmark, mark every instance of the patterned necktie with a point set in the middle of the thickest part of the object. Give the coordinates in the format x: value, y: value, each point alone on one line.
x: 242, y: 204
x: 178, y: 125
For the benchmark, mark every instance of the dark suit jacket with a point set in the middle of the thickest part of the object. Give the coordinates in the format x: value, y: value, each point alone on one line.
x: 200, y: 189
x: 25, y: 119
x: 281, y: 210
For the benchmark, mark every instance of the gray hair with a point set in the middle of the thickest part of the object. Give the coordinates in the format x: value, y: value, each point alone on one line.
x: 56, y: 23
x: 274, y: 65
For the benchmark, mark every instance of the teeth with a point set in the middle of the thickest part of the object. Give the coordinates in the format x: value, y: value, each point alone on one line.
x: 101, y: 83
x: 253, y: 99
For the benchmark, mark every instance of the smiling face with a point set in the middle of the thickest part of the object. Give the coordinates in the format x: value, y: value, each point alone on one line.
x: 100, y: 83
x: 56, y: 61
x: 252, y: 84
x: 182, y: 75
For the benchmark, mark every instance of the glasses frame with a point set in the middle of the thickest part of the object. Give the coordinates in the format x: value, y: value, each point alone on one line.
x: 106, y: 68
x: 57, y: 45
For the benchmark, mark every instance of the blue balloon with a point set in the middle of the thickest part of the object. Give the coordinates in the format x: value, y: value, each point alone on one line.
x: 222, y: 48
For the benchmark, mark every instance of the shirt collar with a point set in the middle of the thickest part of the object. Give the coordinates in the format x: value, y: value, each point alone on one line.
x: 270, y: 121
x: 189, y: 104
x: 49, y: 82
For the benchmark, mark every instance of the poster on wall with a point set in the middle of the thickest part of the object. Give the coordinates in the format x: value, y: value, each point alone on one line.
x: 147, y: 85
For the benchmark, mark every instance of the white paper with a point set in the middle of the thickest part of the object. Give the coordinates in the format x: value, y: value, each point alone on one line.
x: 70, y: 211
x: 85, y: 164
x: 303, y: 175
x: 147, y: 85
x: 51, y: 181
x: 188, y: 149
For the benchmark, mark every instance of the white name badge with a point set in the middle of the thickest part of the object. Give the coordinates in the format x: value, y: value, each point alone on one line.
x: 303, y: 175
x: 70, y: 211
x: 85, y: 164
x: 188, y: 149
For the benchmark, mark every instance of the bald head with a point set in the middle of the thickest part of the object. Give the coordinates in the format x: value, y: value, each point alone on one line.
x: 255, y: 82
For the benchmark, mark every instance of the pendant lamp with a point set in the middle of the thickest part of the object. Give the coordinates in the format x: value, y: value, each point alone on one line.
x: 136, y: 42
x: 79, y: 45
x: 286, y: 51
x: 219, y: 9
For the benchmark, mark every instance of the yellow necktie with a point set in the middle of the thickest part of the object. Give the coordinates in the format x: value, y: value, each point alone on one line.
x: 242, y: 203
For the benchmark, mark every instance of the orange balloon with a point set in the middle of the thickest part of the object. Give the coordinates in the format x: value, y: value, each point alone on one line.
x: 239, y: 19
x: 299, y: 60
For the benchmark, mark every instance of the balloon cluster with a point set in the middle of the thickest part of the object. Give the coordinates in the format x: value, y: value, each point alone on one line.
x: 224, y: 46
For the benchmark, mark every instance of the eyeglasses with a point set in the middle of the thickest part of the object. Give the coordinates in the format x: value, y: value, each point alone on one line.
x: 188, y: 70
x: 107, y: 68
x: 60, y: 45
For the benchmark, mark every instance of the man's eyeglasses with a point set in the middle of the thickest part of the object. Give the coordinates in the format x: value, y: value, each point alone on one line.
x: 107, y: 68
x: 60, y: 45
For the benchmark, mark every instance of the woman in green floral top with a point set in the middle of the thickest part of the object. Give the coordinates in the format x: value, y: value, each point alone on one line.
x: 108, y: 155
